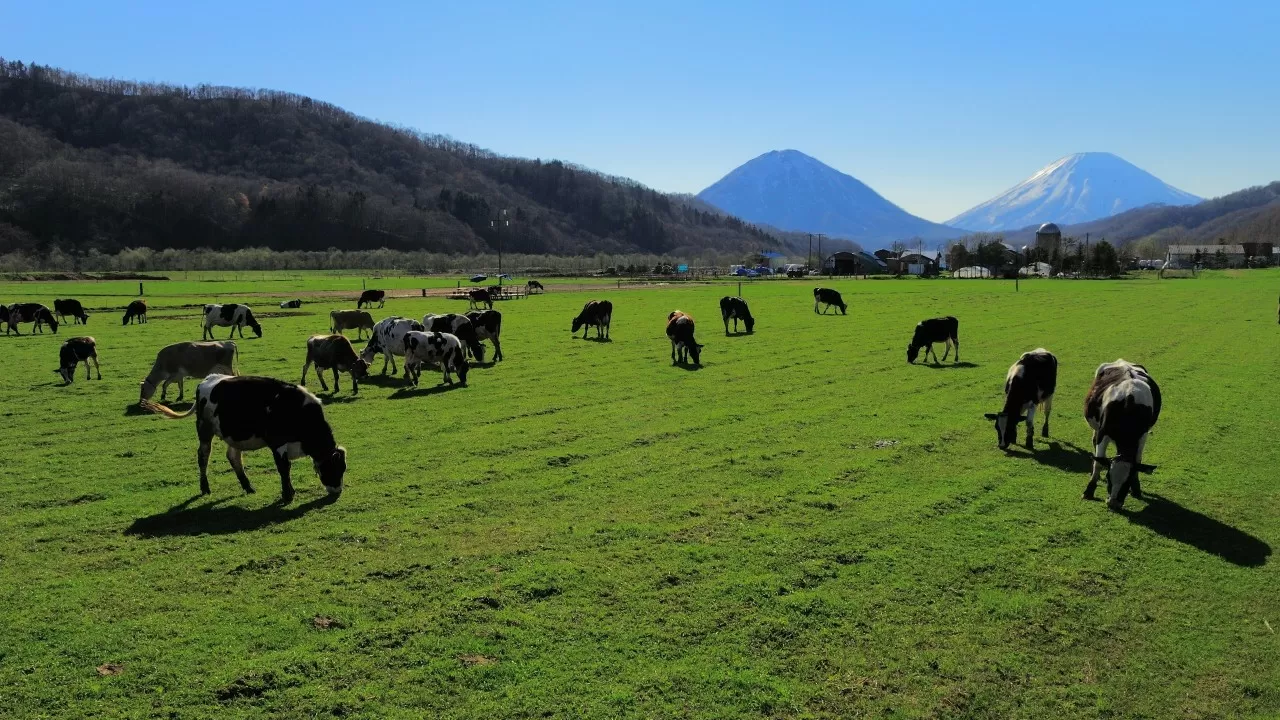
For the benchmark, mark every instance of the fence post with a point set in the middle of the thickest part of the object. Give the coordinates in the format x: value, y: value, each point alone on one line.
x: 139, y: 289
x: 739, y: 288
x: 424, y: 292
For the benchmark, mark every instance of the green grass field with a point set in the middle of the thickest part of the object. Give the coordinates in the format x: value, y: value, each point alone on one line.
x: 807, y: 526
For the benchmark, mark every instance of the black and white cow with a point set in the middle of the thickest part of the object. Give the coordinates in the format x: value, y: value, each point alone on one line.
x: 937, y: 330
x: 828, y: 297
x: 680, y: 333
x: 63, y: 308
x: 137, y: 310
x: 535, y: 285
x: 434, y: 348
x: 250, y: 413
x: 458, y: 325
x: 736, y: 308
x: 387, y: 338
x: 75, y: 351
x: 1122, y: 406
x: 232, y: 316
x: 598, y: 313
x: 334, y: 352
x: 488, y: 325
x: 1030, y: 382
x: 31, y: 313
x: 478, y: 297
x: 291, y: 304
x: 369, y: 297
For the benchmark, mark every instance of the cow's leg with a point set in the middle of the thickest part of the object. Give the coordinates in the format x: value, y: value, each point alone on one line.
x: 182, y: 387
x: 726, y: 325
x: 1031, y: 426
x: 393, y: 362
x: 320, y: 375
x: 234, y: 457
x: 815, y: 306
x: 1048, y: 406
x: 1136, y: 488
x: 497, y: 349
x: 281, y: 455
x: 306, y: 366
x: 1100, y: 443
x: 202, y: 458
x: 335, y: 379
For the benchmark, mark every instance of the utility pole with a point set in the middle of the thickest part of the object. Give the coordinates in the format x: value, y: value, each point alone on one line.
x: 820, y: 258
x: 808, y: 259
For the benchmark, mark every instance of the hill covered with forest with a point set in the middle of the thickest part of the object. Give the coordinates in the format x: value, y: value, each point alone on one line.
x: 89, y: 163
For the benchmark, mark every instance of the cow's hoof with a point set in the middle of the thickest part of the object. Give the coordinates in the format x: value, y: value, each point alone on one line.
x: 1088, y: 496
x: 249, y: 491
x: 1030, y: 445
x: 1114, y: 506
x: 1136, y: 493
x: 286, y: 499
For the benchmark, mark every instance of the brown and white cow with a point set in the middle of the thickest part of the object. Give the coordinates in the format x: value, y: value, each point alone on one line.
x: 358, y: 320
x: 488, y: 326
x: 137, y: 310
x: 434, y: 348
x: 230, y: 315
x: 75, y: 351
x: 176, y: 362
x: 680, y: 333
x: 598, y: 313
x: 249, y: 413
x: 63, y: 308
x: 1122, y: 406
x: 1030, y: 381
x: 31, y: 313
x: 336, y: 353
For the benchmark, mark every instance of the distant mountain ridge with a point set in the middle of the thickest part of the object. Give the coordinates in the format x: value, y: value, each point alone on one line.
x: 790, y: 190
x: 1074, y: 189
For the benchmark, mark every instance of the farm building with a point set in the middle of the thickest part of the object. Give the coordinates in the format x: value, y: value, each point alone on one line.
x: 1048, y: 238
x: 851, y: 263
x: 1231, y: 256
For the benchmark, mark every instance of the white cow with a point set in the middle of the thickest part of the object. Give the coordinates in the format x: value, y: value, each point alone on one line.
x: 232, y: 316
x: 435, y: 348
x: 387, y: 338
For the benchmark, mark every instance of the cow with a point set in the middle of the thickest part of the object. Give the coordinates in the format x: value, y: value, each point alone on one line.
x: 249, y: 413
x: 488, y: 326
x: 1121, y: 406
x: 1030, y: 381
x: 736, y: 308
x: 478, y: 296
x: 828, y: 297
x: 4, y: 316
x: 334, y: 352
x: 388, y: 338
x: 290, y: 304
x: 937, y: 330
x: 459, y: 326
x: 680, y: 333
x: 75, y: 351
x: 434, y: 348
x: 137, y: 310
x: 534, y: 285
x: 63, y: 308
x: 31, y: 313
x: 360, y: 320
x: 232, y: 316
x: 369, y: 297
x: 179, y: 361
x: 598, y: 313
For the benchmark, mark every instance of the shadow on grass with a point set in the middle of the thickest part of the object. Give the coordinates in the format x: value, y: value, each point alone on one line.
x: 596, y: 339
x: 736, y: 333
x: 392, y: 380
x: 210, y: 518
x: 1065, y: 457
x: 1168, y: 518
x: 412, y: 392
x: 944, y: 365
x: 332, y: 399
x: 687, y: 366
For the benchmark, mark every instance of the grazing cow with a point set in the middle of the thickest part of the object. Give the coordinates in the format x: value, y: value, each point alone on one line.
x: 232, y: 316
x: 488, y: 326
x: 4, y: 316
x: 290, y: 304
x: 680, y: 332
x: 31, y: 313
x: 75, y: 351
x: 359, y: 320
x: 598, y: 313
x: 1030, y: 382
x: 137, y: 310
x: 434, y: 348
x: 388, y: 338
x: 460, y: 326
x: 334, y: 351
x: 736, y: 308
x: 63, y: 308
x: 249, y: 413
x: 938, y: 330
x: 369, y: 297
x: 828, y: 297
x: 535, y: 285
x: 179, y: 361
x: 1122, y: 406
x: 478, y: 296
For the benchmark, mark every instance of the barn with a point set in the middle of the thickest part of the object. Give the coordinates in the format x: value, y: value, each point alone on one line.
x: 853, y: 263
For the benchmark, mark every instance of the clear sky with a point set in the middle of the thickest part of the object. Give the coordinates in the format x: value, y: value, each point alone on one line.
x: 938, y: 106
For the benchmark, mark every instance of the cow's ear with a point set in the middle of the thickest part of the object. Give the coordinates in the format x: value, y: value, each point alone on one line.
x: 991, y: 416
x: 1148, y: 469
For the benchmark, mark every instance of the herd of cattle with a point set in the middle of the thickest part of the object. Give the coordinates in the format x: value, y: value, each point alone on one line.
x: 248, y: 413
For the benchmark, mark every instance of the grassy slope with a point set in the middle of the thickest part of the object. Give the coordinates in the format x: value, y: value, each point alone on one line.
x: 624, y: 538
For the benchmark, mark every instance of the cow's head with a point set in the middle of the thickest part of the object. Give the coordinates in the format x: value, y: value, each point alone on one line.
x: 146, y: 390
x: 695, y: 351
x: 359, y: 368
x: 254, y: 325
x: 1006, y: 428
x: 913, y: 352
x: 751, y: 324
x: 127, y: 314
x: 52, y: 321
x: 331, y: 469
x: 84, y: 317
x: 68, y: 373
x: 1121, y: 471
x: 578, y: 322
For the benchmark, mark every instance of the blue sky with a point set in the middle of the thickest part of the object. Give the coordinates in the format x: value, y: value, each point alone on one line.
x: 938, y: 106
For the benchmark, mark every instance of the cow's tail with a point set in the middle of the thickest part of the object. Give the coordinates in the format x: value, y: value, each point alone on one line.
x: 159, y: 409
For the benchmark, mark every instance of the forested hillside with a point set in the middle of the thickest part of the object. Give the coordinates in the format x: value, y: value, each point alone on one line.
x: 107, y: 164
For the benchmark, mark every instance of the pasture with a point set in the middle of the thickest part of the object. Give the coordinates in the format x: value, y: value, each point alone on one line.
x: 805, y: 527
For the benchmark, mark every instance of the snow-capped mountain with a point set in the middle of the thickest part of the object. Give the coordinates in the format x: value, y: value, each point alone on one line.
x: 792, y: 191
x: 1075, y: 189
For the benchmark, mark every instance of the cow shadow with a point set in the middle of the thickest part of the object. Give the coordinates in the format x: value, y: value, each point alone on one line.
x: 412, y: 392
x: 1168, y: 518
x: 687, y: 366
x: 738, y: 333
x: 334, y: 399
x: 948, y: 365
x: 212, y: 518
x: 596, y: 339
x: 482, y: 365
x: 389, y: 380
x: 1065, y: 457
